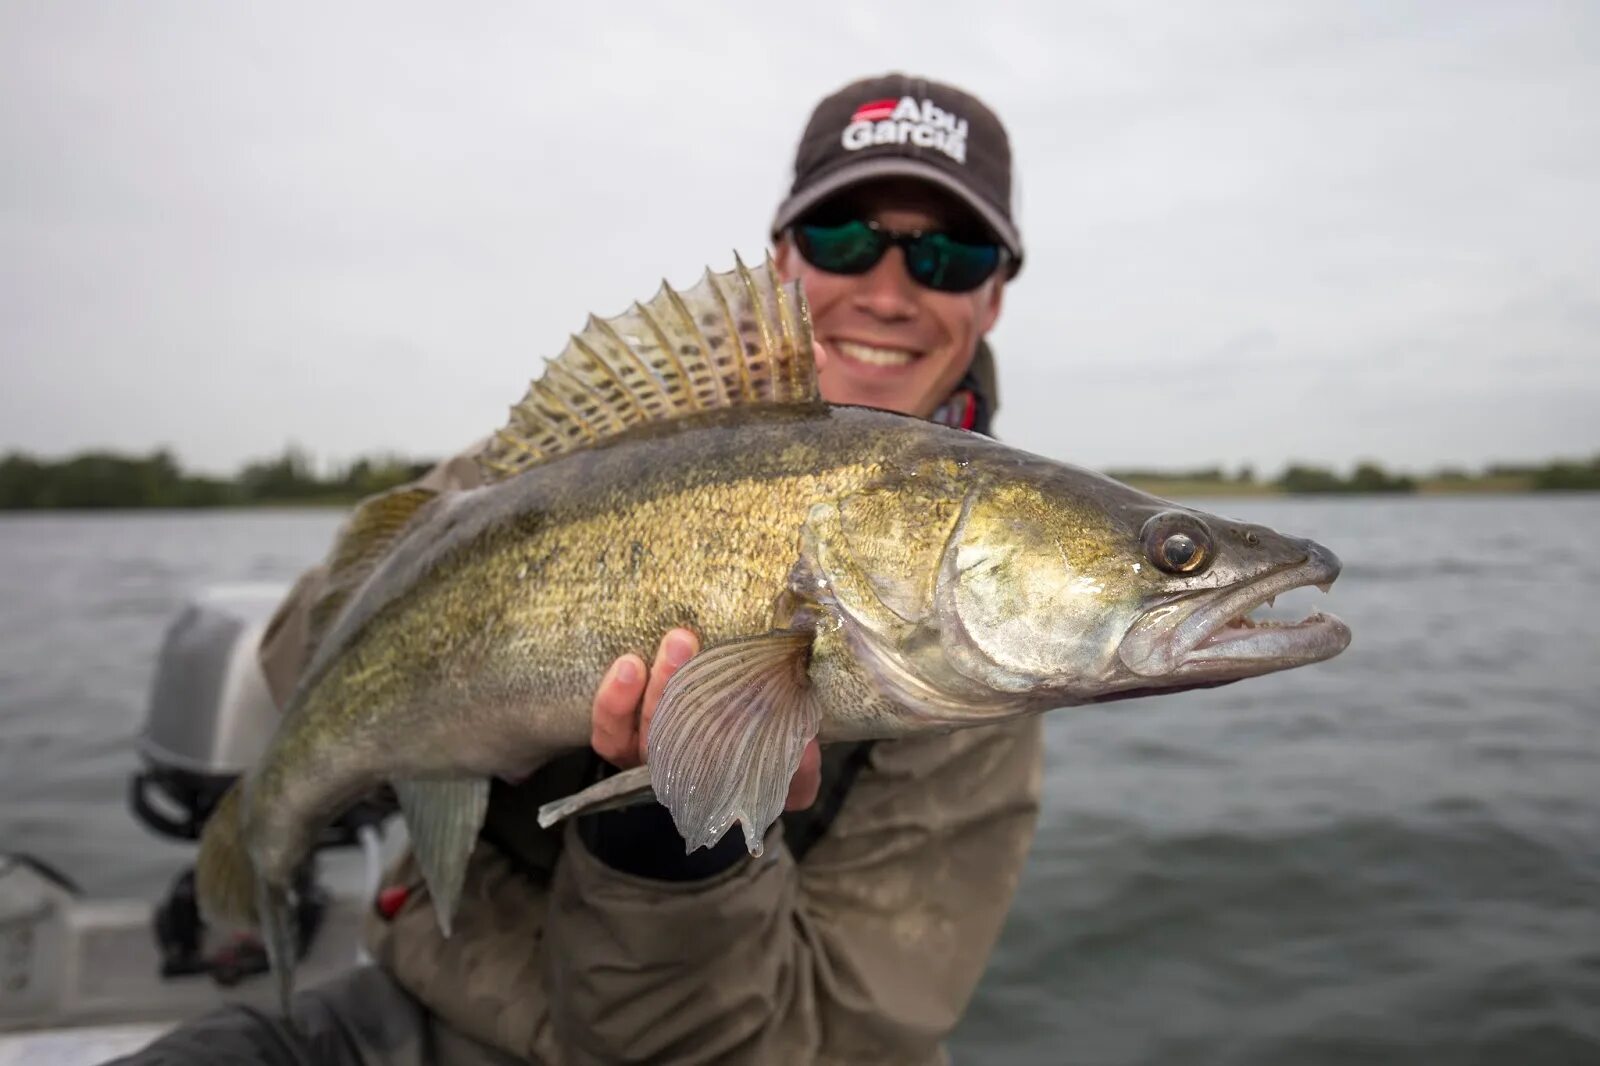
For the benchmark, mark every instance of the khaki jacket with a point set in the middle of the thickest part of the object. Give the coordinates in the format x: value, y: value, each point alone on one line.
x: 865, y: 952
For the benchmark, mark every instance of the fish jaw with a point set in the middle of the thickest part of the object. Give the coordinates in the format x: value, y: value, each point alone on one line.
x: 1209, y: 637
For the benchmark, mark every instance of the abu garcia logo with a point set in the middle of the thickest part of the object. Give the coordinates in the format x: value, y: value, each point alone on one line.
x: 897, y: 121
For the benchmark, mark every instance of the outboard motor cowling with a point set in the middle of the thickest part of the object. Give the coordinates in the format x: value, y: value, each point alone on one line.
x: 210, y: 714
x: 210, y: 718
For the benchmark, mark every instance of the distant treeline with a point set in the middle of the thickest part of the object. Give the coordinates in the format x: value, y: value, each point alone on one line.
x: 1558, y: 475
x: 1367, y: 477
x: 106, y: 479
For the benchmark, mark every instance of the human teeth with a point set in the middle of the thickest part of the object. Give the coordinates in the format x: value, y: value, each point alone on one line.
x: 866, y: 353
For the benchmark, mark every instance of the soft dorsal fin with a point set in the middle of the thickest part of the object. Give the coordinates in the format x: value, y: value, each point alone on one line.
x: 739, y: 338
x: 366, y: 538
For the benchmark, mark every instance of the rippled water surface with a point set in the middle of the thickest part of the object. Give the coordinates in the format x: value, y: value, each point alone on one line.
x: 1392, y: 857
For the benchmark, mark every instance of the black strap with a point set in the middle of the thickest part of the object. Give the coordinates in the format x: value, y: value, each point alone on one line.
x: 841, y: 763
x: 511, y: 823
x: 511, y: 826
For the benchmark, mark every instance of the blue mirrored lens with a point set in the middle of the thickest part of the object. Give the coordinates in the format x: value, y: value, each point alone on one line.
x: 848, y: 248
x: 941, y: 262
x: 934, y: 260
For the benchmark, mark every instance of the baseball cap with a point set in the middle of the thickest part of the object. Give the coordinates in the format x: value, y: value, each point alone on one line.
x: 899, y: 126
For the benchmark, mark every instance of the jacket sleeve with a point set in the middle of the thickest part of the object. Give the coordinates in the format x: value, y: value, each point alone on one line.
x: 866, y: 952
x: 362, y: 1018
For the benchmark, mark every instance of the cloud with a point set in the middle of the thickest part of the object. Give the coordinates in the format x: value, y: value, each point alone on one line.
x: 1255, y: 231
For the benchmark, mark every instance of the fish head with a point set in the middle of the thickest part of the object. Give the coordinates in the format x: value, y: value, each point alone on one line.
x: 1073, y: 588
x: 1022, y: 584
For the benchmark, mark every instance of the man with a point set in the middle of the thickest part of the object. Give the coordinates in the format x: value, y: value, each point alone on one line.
x: 861, y: 934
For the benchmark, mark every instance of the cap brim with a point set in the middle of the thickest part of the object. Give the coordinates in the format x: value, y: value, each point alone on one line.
x: 866, y: 170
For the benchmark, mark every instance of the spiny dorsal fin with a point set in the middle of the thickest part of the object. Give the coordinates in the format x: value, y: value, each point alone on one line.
x: 367, y: 536
x: 739, y: 338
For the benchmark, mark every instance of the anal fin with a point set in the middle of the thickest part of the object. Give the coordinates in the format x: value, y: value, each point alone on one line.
x: 443, y: 818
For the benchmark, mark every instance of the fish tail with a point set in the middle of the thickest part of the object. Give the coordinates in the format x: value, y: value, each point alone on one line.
x: 278, y: 932
x: 231, y: 890
x: 225, y: 878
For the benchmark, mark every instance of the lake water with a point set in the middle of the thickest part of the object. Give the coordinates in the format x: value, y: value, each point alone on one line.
x: 1392, y: 857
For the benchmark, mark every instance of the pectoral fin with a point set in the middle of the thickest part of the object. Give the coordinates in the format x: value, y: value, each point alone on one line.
x: 728, y: 735
x: 626, y: 789
x: 443, y: 818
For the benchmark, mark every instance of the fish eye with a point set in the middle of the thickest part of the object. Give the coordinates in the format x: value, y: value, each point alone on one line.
x: 1177, y: 543
x: 1179, y: 552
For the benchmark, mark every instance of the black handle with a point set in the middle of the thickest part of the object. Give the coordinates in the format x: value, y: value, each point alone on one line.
x: 139, y: 800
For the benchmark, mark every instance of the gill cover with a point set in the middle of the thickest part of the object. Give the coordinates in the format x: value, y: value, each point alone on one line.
x: 873, y: 562
x: 1033, y: 589
x: 878, y: 552
x: 966, y: 594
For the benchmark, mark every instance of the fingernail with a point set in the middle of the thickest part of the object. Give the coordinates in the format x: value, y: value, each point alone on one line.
x: 627, y: 671
x: 679, y: 651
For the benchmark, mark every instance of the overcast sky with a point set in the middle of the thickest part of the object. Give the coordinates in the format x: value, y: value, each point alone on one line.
x: 1257, y: 232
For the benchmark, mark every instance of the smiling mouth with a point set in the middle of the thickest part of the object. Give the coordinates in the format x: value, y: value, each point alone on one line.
x: 872, y: 355
x: 1214, y: 637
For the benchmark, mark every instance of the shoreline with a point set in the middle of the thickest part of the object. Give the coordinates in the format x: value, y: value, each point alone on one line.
x: 1172, y: 489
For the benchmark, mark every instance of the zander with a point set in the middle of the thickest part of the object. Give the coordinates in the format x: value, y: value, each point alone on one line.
x: 852, y: 574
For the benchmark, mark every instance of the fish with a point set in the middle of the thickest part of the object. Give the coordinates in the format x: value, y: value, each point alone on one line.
x: 852, y: 573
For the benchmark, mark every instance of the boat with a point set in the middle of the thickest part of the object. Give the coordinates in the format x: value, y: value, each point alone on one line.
x: 83, y: 980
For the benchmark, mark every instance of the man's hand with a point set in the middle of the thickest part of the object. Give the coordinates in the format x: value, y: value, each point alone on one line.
x: 626, y: 701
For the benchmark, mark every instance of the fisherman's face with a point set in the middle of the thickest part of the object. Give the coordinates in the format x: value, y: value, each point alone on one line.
x: 888, y: 342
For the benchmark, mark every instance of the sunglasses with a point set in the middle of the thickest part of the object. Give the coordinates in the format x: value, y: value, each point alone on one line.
x: 934, y: 259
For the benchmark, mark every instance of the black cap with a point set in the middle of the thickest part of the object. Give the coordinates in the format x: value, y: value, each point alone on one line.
x: 897, y: 126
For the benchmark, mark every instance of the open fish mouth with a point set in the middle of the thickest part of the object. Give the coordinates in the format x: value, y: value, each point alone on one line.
x: 1212, y: 636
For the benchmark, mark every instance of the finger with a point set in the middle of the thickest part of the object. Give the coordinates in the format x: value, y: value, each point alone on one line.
x: 615, y: 714
x: 819, y: 355
x: 807, y: 779
x: 677, y: 647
